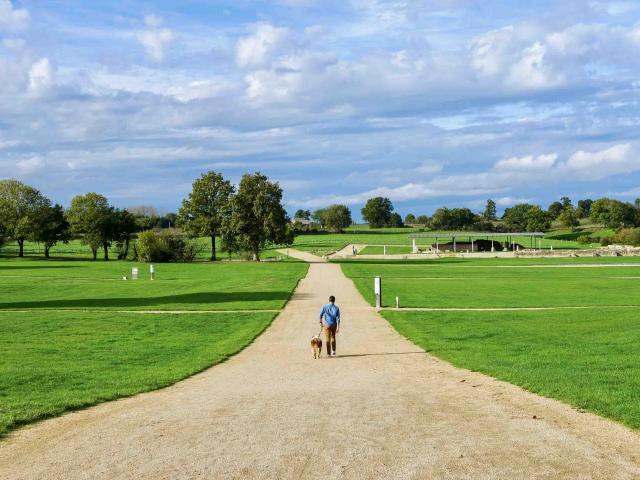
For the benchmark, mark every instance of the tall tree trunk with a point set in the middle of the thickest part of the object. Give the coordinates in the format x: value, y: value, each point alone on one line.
x: 95, y: 253
x: 213, y: 248
x: 256, y: 255
x: 21, y: 247
x: 105, y: 246
x: 46, y: 251
x: 126, y: 248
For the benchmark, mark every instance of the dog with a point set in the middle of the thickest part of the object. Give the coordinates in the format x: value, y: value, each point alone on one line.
x: 316, y: 346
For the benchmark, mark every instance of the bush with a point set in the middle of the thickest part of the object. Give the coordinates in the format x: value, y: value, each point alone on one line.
x: 165, y: 246
x: 606, y: 241
x: 585, y: 239
x: 628, y: 236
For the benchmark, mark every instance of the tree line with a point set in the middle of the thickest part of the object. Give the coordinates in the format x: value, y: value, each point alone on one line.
x: 526, y: 217
x: 247, y: 218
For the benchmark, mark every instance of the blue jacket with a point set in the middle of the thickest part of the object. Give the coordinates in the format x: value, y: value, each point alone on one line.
x: 331, y: 314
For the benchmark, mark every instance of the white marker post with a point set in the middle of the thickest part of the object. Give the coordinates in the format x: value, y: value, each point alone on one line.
x: 384, y: 250
x: 134, y: 273
x: 377, y: 290
x: 397, y: 302
x: 152, y: 272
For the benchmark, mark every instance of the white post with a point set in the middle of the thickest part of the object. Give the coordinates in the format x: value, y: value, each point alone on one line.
x: 415, y: 247
x: 134, y: 273
x: 384, y: 251
x: 152, y: 272
x: 377, y: 290
x: 397, y: 302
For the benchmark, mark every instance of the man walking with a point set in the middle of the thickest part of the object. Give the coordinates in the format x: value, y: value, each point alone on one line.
x: 330, y: 323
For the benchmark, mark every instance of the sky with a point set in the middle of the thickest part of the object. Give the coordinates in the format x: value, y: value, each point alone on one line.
x: 427, y: 102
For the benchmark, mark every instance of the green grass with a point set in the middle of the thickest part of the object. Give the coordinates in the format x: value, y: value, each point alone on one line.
x: 53, y: 362
x: 68, y: 284
x: 589, y: 359
x: 398, y: 239
x: 469, y: 283
x: 75, y: 249
x: 70, y: 335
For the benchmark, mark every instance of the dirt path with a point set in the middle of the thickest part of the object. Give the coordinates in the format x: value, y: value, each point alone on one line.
x: 383, y: 409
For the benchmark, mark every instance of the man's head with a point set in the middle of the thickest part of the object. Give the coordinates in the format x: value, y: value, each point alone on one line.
x: 332, y: 299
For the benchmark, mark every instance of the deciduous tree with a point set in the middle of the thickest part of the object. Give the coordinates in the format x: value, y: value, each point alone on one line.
x: 612, y: 213
x: 490, y: 210
x: 377, y: 212
x: 205, y: 210
x: 257, y: 215
x: 91, y: 217
x: 336, y: 218
x: 21, y: 208
x: 53, y: 227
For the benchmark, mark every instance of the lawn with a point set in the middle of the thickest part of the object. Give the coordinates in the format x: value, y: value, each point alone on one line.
x: 75, y: 249
x: 35, y: 284
x: 53, y: 362
x: 398, y: 240
x: 589, y: 359
x: 72, y: 332
x: 481, y: 283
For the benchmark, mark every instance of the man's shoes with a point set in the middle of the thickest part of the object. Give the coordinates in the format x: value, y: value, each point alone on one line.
x: 333, y: 354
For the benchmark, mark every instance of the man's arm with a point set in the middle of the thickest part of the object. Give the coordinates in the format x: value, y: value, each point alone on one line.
x: 338, y: 319
x: 322, y: 312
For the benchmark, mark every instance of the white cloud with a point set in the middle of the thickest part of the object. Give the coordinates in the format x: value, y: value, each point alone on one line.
x: 489, y: 50
x: 533, y: 70
x: 40, y: 76
x: 604, y: 163
x: 30, y: 165
x: 12, y: 18
x: 259, y: 48
x: 529, y: 162
x: 155, y: 39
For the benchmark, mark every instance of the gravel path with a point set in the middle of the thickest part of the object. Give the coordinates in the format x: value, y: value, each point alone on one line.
x: 382, y: 409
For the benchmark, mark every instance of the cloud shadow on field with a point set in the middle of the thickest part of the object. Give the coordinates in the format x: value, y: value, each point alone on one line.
x: 210, y: 299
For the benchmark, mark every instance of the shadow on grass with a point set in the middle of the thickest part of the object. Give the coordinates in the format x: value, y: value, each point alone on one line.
x: 206, y: 298
x: 35, y: 267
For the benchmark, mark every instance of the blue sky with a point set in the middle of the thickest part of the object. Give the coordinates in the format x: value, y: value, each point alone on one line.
x: 431, y: 103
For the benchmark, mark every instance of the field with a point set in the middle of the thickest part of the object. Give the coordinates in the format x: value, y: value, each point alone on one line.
x: 584, y: 349
x: 75, y: 249
x: 398, y: 241
x: 73, y: 333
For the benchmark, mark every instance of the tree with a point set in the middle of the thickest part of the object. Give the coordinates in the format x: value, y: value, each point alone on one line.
x: 304, y: 214
x: 53, y: 228
x: 257, y: 215
x: 21, y: 208
x: 612, y: 213
x: 410, y: 219
x: 490, y: 210
x: 336, y: 217
x: 423, y: 220
x: 585, y: 206
x: 123, y: 225
x: 569, y: 218
x: 566, y: 202
x: 524, y: 217
x: 205, y: 210
x: 453, y: 218
x: 91, y: 217
x: 396, y: 221
x: 377, y: 212
x: 318, y: 216
x: 555, y: 209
